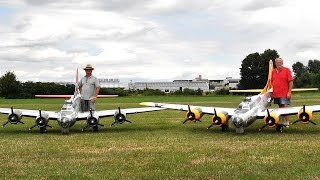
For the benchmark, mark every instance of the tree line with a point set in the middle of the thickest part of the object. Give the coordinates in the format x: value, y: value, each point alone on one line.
x: 11, y: 88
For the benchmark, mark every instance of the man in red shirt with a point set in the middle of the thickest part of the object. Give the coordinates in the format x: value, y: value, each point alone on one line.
x: 282, y: 85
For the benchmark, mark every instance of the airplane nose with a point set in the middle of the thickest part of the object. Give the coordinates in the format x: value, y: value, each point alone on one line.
x: 65, y: 122
x: 238, y: 122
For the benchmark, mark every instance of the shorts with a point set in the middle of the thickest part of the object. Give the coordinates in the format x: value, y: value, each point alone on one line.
x: 86, y: 105
x: 281, y: 101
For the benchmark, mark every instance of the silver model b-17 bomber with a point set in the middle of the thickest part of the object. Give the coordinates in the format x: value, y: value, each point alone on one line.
x: 249, y: 110
x: 69, y: 114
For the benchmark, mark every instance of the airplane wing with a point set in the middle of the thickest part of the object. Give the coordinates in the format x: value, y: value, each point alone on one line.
x: 108, y: 113
x: 289, y: 110
x: 183, y: 107
x: 30, y: 113
x: 69, y: 96
x: 259, y: 90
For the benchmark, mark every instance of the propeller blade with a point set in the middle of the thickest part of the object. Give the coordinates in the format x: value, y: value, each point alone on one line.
x: 11, y: 110
x: 91, y: 113
x: 184, y: 121
x: 268, y: 112
x: 40, y: 113
x: 215, y: 112
x: 119, y: 110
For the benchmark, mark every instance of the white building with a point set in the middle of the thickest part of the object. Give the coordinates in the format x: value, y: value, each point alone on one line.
x: 170, y: 86
x: 110, y: 83
x: 228, y: 83
x: 195, y: 84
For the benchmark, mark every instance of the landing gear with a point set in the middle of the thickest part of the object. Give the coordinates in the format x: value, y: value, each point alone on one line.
x: 224, y: 128
x: 65, y: 130
x: 240, y: 130
x: 42, y: 130
x: 279, y: 128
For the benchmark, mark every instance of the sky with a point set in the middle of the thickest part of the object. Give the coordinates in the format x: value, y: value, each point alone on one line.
x: 151, y: 40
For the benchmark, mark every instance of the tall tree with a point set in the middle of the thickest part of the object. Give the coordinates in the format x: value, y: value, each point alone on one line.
x: 298, y: 69
x: 313, y: 66
x: 254, y: 69
x: 10, y: 87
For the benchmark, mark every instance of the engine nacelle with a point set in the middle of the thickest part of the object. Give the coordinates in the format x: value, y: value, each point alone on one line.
x: 15, y: 116
x: 92, y: 119
x: 221, y: 118
x: 120, y: 117
x: 271, y: 120
x: 194, y: 114
x: 42, y: 120
x: 305, y: 115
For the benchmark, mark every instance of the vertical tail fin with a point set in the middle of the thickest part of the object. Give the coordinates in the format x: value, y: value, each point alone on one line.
x: 269, y: 84
x: 77, y: 76
x: 76, y: 87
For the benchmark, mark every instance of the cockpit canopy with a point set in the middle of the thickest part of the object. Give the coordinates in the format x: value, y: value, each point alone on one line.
x: 67, y: 106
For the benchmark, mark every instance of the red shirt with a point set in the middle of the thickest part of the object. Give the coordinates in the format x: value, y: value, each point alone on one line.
x: 280, y: 82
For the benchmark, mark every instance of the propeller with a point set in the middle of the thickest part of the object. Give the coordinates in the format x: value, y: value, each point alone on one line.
x: 13, y: 118
x: 92, y: 122
x: 190, y: 115
x: 304, y: 117
x: 216, y: 120
x: 271, y: 121
x: 268, y: 122
x: 41, y: 122
x: 119, y: 118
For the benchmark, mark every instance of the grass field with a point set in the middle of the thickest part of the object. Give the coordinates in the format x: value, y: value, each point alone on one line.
x: 158, y: 146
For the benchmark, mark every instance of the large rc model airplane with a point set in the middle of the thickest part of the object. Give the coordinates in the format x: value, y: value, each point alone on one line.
x: 71, y: 113
x: 250, y: 109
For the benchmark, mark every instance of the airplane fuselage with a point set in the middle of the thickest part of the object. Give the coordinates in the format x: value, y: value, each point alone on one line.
x: 69, y: 112
x: 247, y: 111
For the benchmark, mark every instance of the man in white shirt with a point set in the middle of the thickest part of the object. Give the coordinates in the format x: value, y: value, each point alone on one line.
x: 89, y: 87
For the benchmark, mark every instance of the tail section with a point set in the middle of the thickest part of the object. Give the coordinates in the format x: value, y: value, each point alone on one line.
x: 77, y: 76
x: 76, y: 86
x: 269, y: 84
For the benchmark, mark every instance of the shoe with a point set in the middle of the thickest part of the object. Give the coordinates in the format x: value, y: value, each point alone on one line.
x: 286, y: 123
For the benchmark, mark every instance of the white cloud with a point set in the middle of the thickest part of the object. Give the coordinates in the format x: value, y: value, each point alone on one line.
x: 151, y: 40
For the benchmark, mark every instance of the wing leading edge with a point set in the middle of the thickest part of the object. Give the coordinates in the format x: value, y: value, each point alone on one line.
x: 30, y: 113
x: 183, y: 107
x: 108, y: 113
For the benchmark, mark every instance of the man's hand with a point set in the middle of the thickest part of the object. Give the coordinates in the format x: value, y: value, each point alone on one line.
x: 289, y: 95
x: 93, y: 99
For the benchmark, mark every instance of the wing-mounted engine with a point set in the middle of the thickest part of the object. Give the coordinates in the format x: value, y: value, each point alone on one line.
x: 92, y: 121
x: 120, y: 117
x: 304, y: 116
x: 41, y: 122
x: 272, y: 120
x: 193, y: 115
x: 220, y: 119
x: 14, y: 117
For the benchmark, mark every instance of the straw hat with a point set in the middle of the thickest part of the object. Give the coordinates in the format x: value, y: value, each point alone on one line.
x: 88, y: 67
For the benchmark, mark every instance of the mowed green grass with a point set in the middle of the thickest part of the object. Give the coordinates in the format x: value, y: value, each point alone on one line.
x: 158, y: 146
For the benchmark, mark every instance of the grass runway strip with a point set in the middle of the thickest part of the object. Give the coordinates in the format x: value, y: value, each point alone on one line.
x: 158, y: 146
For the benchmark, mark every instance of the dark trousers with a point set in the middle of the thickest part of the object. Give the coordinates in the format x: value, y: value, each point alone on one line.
x: 86, y: 105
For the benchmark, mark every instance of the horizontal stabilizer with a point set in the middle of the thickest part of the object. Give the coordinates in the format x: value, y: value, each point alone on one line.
x: 68, y: 96
x: 259, y: 90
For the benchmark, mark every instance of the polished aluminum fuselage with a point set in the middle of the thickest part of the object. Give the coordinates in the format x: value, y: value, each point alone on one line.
x: 69, y: 112
x: 248, y: 109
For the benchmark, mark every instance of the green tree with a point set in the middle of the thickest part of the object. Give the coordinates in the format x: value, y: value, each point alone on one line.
x: 313, y: 66
x: 10, y: 87
x: 298, y: 69
x: 254, y: 69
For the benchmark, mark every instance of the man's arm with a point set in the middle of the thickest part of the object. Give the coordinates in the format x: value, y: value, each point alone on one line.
x: 95, y: 95
x: 290, y: 89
